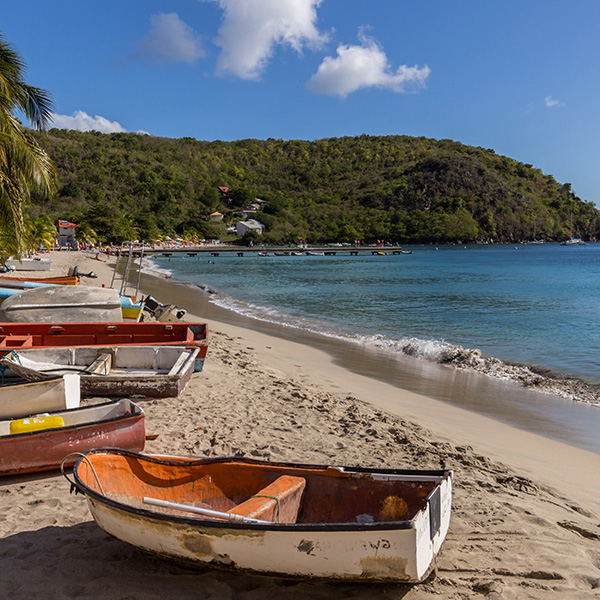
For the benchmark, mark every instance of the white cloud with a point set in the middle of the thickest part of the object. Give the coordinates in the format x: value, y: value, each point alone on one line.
x: 551, y: 103
x: 364, y: 66
x: 169, y: 40
x: 81, y: 121
x: 252, y: 28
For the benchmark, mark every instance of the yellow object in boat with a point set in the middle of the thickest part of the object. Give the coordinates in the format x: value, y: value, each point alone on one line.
x: 35, y: 424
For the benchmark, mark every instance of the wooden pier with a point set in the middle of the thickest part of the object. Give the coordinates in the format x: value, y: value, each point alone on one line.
x: 271, y: 251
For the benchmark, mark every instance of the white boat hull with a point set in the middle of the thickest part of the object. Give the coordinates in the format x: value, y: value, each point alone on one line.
x: 30, y: 264
x: 41, y: 396
x: 325, y: 552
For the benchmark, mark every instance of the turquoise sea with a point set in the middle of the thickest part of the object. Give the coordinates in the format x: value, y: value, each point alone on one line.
x: 537, y: 304
x: 533, y: 307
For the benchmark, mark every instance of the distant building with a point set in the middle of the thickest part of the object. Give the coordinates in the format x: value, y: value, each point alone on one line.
x: 224, y: 192
x: 216, y: 216
x: 242, y: 227
x: 66, y: 233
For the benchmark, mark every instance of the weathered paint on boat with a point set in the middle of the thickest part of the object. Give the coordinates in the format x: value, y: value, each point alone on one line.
x: 120, y: 371
x: 24, y: 399
x: 58, y: 335
x: 114, y: 423
x: 352, y: 524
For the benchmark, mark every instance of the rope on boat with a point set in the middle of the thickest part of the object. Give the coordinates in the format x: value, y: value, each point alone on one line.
x: 73, y: 484
x: 272, y: 498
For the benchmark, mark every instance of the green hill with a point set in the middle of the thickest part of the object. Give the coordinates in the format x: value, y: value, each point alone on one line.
x: 396, y: 188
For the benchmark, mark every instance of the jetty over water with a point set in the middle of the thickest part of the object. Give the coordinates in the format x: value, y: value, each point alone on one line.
x: 271, y: 250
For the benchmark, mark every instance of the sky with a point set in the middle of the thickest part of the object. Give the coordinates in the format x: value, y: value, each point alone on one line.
x: 521, y: 77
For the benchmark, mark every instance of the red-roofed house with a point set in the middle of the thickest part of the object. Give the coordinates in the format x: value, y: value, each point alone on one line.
x: 66, y: 233
x: 224, y: 192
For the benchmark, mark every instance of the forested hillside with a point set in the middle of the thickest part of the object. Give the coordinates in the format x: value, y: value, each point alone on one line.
x: 396, y: 188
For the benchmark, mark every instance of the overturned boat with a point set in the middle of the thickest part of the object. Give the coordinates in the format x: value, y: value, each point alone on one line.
x: 65, y: 304
x: 308, y: 521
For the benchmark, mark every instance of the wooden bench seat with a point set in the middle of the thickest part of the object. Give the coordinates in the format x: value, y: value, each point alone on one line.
x: 288, y: 491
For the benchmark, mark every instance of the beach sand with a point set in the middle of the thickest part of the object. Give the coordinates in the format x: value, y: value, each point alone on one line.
x: 526, y: 510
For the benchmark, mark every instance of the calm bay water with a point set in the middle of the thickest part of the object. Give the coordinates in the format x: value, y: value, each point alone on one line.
x: 533, y: 304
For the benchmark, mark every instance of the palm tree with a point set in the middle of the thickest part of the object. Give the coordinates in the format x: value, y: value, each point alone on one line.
x: 23, y: 163
x: 85, y: 234
x: 39, y: 233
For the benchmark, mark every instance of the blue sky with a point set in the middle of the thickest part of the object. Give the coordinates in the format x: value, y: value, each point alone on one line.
x: 520, y: 77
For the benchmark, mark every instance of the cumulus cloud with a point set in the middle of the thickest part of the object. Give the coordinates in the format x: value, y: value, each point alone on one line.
x: 81, y: 121
x: 169, y: 40
x: 364, y: 66
x: 551, y: 103
x: 252, y: 29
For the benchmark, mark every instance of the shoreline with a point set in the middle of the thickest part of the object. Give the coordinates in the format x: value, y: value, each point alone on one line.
x: 540, y: 411
x: 525, y: 510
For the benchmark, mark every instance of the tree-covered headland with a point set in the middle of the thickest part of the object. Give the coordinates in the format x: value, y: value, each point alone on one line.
x: 394, y: 188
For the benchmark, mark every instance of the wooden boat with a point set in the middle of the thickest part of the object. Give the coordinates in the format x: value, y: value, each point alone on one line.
x: 29, y: 264
x: 150, y: 371
x: 15, y: 336
x: 272, y: 518
x: 59, y: 304
x: 64, y: 280
x: 41, y: 442
x: 23, y: 399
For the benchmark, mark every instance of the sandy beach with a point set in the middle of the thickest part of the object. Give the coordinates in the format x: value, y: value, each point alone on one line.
x: 526, y: 509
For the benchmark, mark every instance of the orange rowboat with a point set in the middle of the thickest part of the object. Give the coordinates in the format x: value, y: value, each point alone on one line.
x: 307, y: 521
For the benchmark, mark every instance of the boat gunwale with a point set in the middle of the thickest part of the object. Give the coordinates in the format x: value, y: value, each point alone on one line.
x: 441, y: 475
x: 139, y: 412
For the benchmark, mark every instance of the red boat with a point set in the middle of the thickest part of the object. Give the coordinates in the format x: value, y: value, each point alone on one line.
x: 56, y: 335
x: 42, y: 442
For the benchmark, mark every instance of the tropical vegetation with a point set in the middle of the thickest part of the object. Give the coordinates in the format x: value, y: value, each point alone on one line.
x: 394, y: 188
x: 24, y: 166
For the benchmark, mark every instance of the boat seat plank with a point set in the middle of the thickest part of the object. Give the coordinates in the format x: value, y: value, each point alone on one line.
x: 278, y: 502
x: 101, y: 365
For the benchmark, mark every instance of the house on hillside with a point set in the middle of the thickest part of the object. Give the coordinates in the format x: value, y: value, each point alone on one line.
x: 66, y: 233
x: 242, y: 227
x: 216, y: 216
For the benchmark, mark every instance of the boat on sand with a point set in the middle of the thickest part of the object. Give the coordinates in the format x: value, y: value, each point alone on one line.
x: 5, y: 280
x: 41, y: 442
x: 22, y: 399
x: 62, y: 304
x: 150, y: 371
x: 29, y: 264
x: 334, y: 523
x: 15, y: 336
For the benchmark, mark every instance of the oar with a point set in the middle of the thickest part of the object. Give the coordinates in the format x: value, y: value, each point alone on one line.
x: 204, y: 511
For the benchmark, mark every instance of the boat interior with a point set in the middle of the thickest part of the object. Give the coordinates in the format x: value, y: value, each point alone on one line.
x: 168, y: 360
x: 69, y: 418
x: 300, y: 494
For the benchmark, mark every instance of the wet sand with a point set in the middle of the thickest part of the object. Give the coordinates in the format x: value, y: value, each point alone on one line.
x: 526, y: 511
